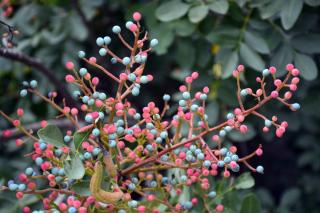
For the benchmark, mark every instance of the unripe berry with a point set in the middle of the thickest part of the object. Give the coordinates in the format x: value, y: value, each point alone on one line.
x: 116, y: 29
x: 100, y: 41
x: 154, y: 42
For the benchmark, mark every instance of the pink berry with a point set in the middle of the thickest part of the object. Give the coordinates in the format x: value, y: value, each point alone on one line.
x: 219, y: 208
x: 136, y: 16
x: 272, y: 70
x: 240, y: 68
x: 289, y: 67
x: 69, y: 65
x: 69, y: 78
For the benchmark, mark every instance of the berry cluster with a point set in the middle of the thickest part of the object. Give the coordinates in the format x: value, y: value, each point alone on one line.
x: 146, y: 158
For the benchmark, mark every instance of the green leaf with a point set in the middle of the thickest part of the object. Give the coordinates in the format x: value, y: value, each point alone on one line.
x: 271, y: 9
x: 309, y: 43
x: 76, y: 28
x: 312, y: 3
x: 51, y: 134
x: 282, y: 57
x: 198, y: 13
x: 219, y: 6
x: 307, y: 66
x: 289, y: 197
x: 290, y: 13
x: 183, y: 27
x: 230, y: 65
x: 212, y: 110
x: 171, y: 10
x: 82, y: 188
x: 256, y: 42
x: 244, y: 181
x: 74, y: 168
x: 251, y: 58
x: 250, y: 204
x: 185, y: 54
x: 165, y: 36
x: 79, y: 137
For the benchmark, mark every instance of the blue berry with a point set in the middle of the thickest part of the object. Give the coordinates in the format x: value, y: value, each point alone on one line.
x: 144, y: 79
x: 295, y: 106
x: 95, y: 132
x: 112, y: 143
x: 154, y: 42
x: 102, y: 96
x: 135, y: 91
x: 267, y: 123
x: 33, y: 84
x: 83, y: 71
x: 166, y: 97
x: 102, y: 52
x: 265, y: 72
x: 128, y: 24
x: 243, y: 92
x: 200, y: 156
x: 76, y: 94
x: 207, y: 163
x: 113, y: 60
x: 67, y: 138
x: 212, y: 194
x: 126, y: 61
x: 132, y: 186
x: 186, y: 95
x: 203, y: 97
x: 222, y: 133
x: 163, y: 135
x: 29, y: 171
x: 81, y: 54
x: 87, y: 155
x: 96, y: 151
x: 88, y: 118
x: 39, y: 161
x: 230, y: 116
x: 43, y: 146
x: 100, y: 41
x: 23, y: 93
x: 116, y: 29
x: 107, y: 40
x: 13, y: 187
x: 260, y: 169
x: 131, y: 77
x: 22, y: 187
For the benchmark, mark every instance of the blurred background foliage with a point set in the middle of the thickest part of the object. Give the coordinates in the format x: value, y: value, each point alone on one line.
x: 210, y: 36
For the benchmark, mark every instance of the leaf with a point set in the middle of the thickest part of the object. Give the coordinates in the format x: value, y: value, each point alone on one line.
x: 198, y: 13
x: 79, y: 137
x: 251, y: 58
x: 306, y: 65
x: 290, y: 13
x: 51, y: 134
x: 76, y: 28
x: 309, y: 43
x: 185, y: 53
x: 244, y: 181
x: 165, y: 36
x: 282, y: 56
x: 183, y: 27
x: 219, y: 6
x: 171, y: 10
x: 289, y: 197
x: 230, y: 65
x: 312, y: 3
x: 256, y: 42
x: 271, y: 9
x: 82, y: 188
x: 212, y: 110
x: 250, y: 204
x: 74, y: 168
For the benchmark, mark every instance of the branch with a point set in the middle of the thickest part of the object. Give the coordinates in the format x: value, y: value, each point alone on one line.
x: 37, y: 65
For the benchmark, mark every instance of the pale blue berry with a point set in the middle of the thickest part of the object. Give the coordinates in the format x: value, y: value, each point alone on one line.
x: 154, y: 42
x: 166, y: 97
x: 81, y: 54
x: 100, y: 41
x: 33, y: 84
x: 295, y: 106
x: 260, y: 169
x: 83, y: 71
x: 102, y: 52
x: 126, y: 61
x: 107, y: 40
x: 23, y: 93
x: 116, y: 29
x: 265, y: 72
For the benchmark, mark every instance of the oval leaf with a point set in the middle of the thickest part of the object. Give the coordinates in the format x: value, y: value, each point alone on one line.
x: 171, y: 10
x: 250, y: 204
x: 256, y: 42
x: 309, y: 43
x: 230, y: 65
x: 244, y: 181
x: 74, y: 168
x: 251, y: 58
x: 219, y: 6
x: 198, y: 13
x: 51, y: 134
x: 307, y: 66
x: 290, y: 13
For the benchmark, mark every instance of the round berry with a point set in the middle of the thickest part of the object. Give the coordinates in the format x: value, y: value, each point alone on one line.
x: 107, y: 40
x: 100, y: 41
x: 295, y: 106
x: 23, y: 93
x: 154, y: 42
x: 265, y: 72
x: 166, y: 97
x: 81, y: 54
x: 95, y: 132
x: 116, y: 29
x: 83, y: 71
x: 260, y: 169
x: 33, y: 84
x: 126, y: 61
x: 102, y: 52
